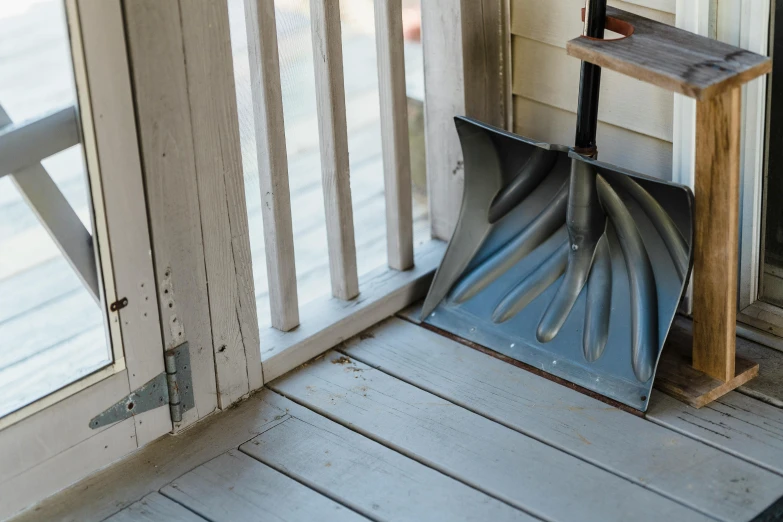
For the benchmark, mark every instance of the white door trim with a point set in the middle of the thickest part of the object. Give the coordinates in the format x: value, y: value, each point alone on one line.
x: 744, y: 23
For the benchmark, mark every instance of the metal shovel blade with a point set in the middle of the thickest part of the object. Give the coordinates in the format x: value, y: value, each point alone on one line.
x: 568, y: 264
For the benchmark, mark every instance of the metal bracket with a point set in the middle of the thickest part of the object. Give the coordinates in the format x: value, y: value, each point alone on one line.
x: 173, y: 387
x: 118, y: 304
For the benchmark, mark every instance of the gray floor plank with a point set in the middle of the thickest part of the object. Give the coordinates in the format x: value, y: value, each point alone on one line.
x: 580, y: 425
x: 486, y: 455
x: 235, y: 486
x: 735, y: 423
x: 369, y: 477
x: 155, y: 508
x: 768, y: 386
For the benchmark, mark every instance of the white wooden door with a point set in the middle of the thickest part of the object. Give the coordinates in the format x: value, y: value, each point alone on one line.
x: 54, y: 441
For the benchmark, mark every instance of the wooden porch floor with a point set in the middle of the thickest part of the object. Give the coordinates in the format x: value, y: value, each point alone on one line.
x: 401, y: 423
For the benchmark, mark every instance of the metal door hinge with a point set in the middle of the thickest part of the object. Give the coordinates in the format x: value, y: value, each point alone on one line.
x: 173, y: 387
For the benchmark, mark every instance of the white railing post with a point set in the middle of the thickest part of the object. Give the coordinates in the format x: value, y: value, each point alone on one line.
x: 272, y: 162
x: 394, y: 133
x: 333, y: 133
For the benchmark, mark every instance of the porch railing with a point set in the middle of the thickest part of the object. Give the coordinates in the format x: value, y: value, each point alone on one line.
x: 330, y: 94
x: 22, y: 148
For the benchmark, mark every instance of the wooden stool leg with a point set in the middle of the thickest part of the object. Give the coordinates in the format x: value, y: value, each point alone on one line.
x: 716, y: 234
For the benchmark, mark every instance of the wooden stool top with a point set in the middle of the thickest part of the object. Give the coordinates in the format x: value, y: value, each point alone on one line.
x: 672, y: 58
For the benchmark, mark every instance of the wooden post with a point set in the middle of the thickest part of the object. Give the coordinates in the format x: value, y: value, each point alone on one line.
x: 716, y: 237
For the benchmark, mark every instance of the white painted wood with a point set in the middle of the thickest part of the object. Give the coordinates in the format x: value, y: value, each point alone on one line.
x: 26, y: 143
x: 152, y: 467
x: 441, y: 36
x: 155, y: 508
x: 111, y: 146
x: 27, y: 444
x: 67, y: 467
x: 735, y: 423
x: 694, y: 16
x: 464, y: 74
x: 394, y: 133
x: 372, y: 479
x: 38, y: 459
x: 333, y: 138
x: 487, y: 456
x: 616, y: 441
x: 234, y: 486
x: 272, y: 162
x: 331, y: 321
x: 753, y: 32
x: 224, y: 219
x: 165, y: 134
x: 544, y: 73
x: 616, y: 145
x: 61, y: 223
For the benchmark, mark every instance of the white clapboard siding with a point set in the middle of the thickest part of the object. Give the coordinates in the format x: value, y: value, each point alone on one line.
x: 272, y: 162
x: 635, y: 120
x: 616, y: 145
x: 333, y: 134
x: 546, y: 74
x: 555, y: 22
x: 394, y: 133
x: 224, y: 220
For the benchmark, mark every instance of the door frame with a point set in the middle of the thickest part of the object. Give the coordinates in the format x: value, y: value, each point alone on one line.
x: 49, y: 444
x: 744, y: 23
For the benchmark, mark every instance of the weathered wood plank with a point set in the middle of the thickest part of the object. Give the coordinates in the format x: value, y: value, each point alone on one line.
x: 672, y: 58
x: 155, y: 508
x: 492, y: 458
x: 234, y: 486
x: 735, y: 423
x: 568, y: 420
x: 546, y: 74
x: 160, y: 83
x: 213, y: 110
x: 394, y: 133
x: 616, y: 145
x: 157, y: 464
x: 370, y: 478
x: 331, y: 321
x: 716, y: 234
x: 333, y: 134
x: 272, y: 162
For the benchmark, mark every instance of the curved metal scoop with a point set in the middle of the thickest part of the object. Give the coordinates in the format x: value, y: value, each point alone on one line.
x: 565, y: 263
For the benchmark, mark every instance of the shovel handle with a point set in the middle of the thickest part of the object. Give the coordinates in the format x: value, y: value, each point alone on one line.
x: 590, y: 83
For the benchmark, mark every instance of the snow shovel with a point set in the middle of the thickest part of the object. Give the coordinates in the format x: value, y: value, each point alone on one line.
x: 573, y: 266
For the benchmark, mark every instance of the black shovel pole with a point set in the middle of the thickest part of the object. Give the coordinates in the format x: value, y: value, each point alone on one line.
x: 590, y: 83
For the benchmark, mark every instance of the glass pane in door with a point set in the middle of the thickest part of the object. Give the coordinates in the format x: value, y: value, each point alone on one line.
x: 51, y: 320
